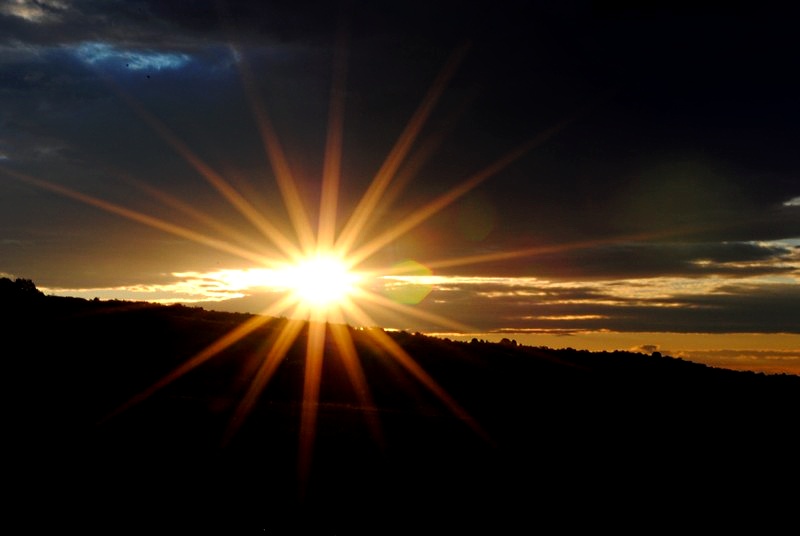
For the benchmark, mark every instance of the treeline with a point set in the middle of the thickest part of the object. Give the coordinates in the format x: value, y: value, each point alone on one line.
x: 18, y: 289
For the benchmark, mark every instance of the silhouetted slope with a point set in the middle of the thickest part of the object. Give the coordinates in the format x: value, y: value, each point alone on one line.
x: 572, y: 438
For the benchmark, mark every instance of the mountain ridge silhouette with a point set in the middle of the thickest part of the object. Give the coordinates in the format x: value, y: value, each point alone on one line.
x: 618, y: 436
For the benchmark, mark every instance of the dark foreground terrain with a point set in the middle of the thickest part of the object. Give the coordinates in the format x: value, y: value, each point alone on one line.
x: 566, y: 441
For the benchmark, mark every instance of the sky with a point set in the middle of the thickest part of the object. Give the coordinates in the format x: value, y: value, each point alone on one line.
x: 594, y: 175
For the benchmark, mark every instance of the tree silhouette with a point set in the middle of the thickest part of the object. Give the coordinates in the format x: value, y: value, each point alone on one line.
x: 19, y: 290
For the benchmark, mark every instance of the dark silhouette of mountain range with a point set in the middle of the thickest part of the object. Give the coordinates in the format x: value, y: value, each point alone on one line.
x: 556, y: 441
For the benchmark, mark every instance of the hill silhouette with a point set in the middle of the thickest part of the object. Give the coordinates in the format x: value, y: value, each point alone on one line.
x: 557, y: 440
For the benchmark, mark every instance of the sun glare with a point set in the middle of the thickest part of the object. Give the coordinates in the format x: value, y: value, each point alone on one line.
x: 319, y: 286
x: 319, y: 282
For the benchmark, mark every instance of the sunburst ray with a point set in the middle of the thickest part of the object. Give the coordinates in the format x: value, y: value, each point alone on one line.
x: 331, y: 171
x: 471, y: 260
x: 372, y: 297
x: 150, y: 221
x: 403, y: 358
x: 349, y: 355
x: 386, y: 173
x: 279, y: 347
x: 222, y: 228
x: 217, y: 181
x: 315, y: 348
x: 437, y: 205
x: 230, y: 338
x: 280, y: 165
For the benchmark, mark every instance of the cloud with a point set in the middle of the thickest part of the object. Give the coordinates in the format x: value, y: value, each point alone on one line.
x: 35, y: 11
x: 104, y: 53
x: 768, y: 361
x: 528, y: 305
x: 645, y: 348
x: 633, y: 260
x: 673, y: 304
x: 16, y: 52
x: 184, y: 288
x: 26, y: 148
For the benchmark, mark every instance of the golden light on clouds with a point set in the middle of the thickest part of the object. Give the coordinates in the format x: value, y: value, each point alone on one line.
x: 39, y: 11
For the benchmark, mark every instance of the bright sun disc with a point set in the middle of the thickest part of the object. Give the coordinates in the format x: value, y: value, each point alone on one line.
x: 320, y: 282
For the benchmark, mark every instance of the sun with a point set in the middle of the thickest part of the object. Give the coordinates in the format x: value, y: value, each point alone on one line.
x: 319, y: 282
